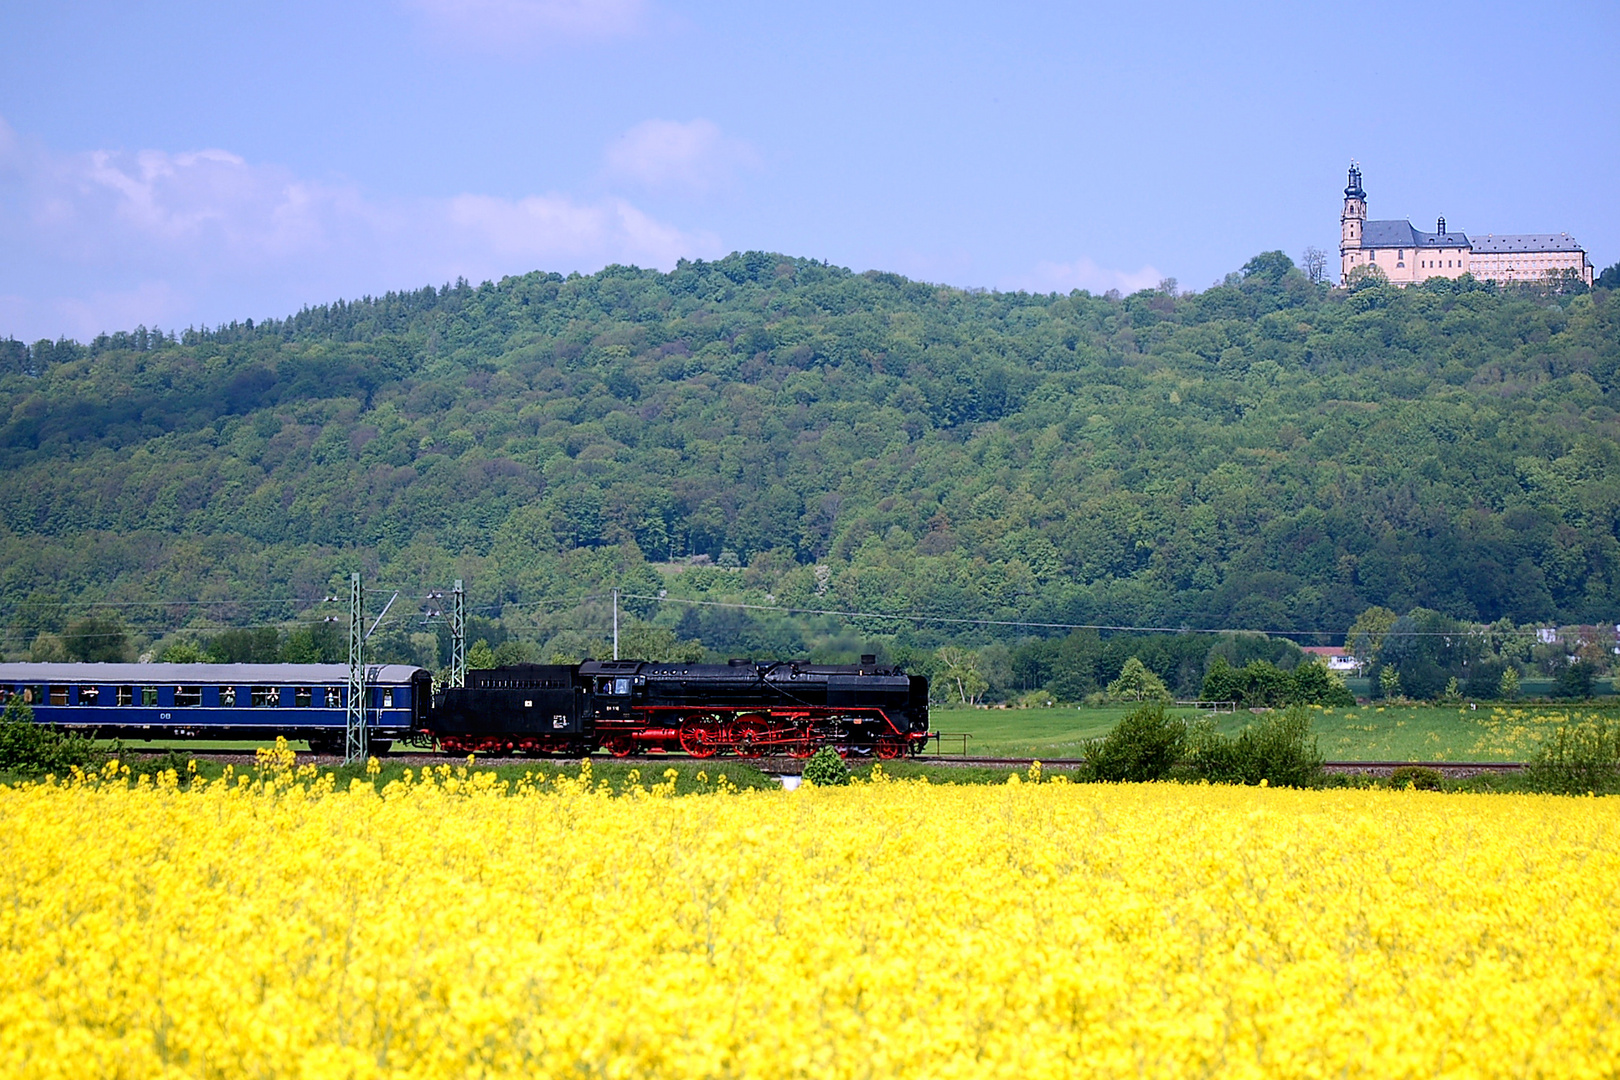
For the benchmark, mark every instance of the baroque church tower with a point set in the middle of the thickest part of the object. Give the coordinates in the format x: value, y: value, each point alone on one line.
x: 1351, y: 221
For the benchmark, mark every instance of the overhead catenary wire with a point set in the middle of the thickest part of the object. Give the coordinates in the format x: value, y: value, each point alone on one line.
x: 528, y: 607
x: 921, y: 617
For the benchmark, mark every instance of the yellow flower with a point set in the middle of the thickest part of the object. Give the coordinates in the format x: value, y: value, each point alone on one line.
x: 450, y: 925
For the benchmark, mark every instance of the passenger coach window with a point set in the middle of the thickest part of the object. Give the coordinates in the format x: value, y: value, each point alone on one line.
x: 148, y: 695
x: 59, y: 695
x: 187, y: 695
x: 89, y: 695
x: 227, y: 697
x: 303, y: 696
x: 265, y: 697
x: 34, y: 695
x: 388, y: 697
x: 126, y: 695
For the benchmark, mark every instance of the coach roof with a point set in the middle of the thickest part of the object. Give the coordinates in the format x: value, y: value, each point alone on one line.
x: 234, y: 674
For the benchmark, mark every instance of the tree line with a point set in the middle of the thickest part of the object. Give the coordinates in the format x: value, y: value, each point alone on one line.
x: 1270, y: 454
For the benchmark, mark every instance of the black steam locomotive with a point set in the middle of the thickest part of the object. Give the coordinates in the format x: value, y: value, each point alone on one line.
x: 633, y: 706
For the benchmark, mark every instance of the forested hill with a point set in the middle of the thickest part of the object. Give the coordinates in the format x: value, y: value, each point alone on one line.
x: 1267, y: 454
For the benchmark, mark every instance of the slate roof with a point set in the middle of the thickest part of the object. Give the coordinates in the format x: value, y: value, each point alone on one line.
x: 1401, y: 234
x: 1516, y: 242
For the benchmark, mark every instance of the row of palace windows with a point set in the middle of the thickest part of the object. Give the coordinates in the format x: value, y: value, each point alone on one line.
x: 180, y: 697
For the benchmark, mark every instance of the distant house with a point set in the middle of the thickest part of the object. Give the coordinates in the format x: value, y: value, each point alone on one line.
x: 1335, y: 658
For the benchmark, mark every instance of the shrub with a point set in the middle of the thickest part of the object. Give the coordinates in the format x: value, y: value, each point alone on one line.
x: 1311, y: 683
x: 1508, y: 687
x: 1575, y: 680
x: 1137, y: 683
x: 31, y: 749
x: 1262, y: 684
x: 1417, y: 776
x: 826, y: 769
x: 1222, y: 682
x: 1577, y: 758
x: 1279, y: 750
x: 1144, y: 746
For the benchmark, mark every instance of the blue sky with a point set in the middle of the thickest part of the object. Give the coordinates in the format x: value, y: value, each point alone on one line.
x: 173, y: 163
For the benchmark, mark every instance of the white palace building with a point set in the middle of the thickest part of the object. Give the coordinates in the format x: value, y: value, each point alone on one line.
x: 1406, y: 255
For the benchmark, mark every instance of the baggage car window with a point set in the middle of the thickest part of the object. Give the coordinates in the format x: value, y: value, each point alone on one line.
x: 264, y: 697
x: 59, y: 695
x: 303, y: 696
x: 126, y: 695
x: 89, y: 695
x: 388, y: 697
x: 187, y: 695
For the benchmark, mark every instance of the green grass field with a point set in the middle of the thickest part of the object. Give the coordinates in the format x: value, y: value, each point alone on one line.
x: 1362, y: 733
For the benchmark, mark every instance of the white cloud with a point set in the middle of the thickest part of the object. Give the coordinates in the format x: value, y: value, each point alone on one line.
x: 508, y: 25
x: 103, y: 241
x: 1084, y: 274
x: 694, y: 155
x: 555, y: 227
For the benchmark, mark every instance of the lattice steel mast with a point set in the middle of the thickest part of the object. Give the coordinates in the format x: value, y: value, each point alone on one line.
x: 458, y: 636
x: 354, y: 737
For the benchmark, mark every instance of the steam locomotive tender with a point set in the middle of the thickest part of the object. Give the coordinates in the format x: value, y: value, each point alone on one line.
x: 633, y: 706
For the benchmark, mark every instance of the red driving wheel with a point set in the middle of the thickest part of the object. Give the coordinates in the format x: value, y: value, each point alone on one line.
x: 698, y: 740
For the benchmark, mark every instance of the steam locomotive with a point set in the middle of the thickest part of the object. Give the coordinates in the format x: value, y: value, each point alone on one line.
x: 633, y: 706
x: 622, y: 707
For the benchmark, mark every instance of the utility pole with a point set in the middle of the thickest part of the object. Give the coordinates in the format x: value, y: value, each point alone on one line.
x: 615, y: 624
x: 354, y: 738
x: 458, y: 636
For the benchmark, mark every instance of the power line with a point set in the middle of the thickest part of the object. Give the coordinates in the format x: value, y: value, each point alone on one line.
x: 958, y: 620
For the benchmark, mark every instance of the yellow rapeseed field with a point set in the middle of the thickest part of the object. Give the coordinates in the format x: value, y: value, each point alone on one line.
x: 451, y: 926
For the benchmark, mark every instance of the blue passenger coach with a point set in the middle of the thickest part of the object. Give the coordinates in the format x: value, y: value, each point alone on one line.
x: 222, y: 701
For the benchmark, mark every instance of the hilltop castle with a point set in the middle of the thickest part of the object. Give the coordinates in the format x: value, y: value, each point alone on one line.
x: 1406, y: 255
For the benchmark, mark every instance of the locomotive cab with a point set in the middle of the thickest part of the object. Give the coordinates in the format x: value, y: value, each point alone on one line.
x: 615, y: 686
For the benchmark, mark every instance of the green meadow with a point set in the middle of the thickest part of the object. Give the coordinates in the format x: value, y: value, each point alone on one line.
x: 1361, y: 733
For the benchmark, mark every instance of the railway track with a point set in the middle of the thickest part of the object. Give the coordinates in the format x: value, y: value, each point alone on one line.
x: 1454, y: 770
